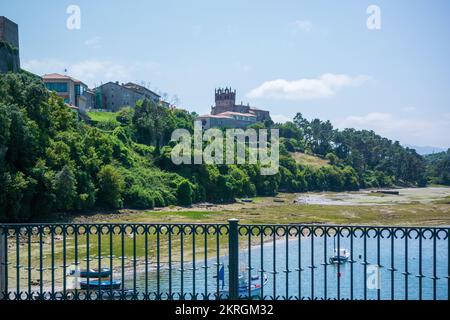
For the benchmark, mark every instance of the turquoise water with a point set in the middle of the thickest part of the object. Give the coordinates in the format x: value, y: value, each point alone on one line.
x: 324, y: 281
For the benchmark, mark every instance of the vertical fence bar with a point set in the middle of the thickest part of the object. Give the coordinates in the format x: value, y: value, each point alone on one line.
x: 205, y: 230
x: 88, y: 261
x: 406, y: 264
x: 261, y: 230
x: 146, y: 231
x: 338, y: 233
x: 99, y: 257
x: 64, y: 266
x: 420, y: 276
x: 52, y: 268
x: 365, y: 263
x: 300, y: 232
x: 435, y: 278
x: 352, y: 263
x: 233, y: 244
x: 287, y: 263
x: 392, y: 269
x: 274, y: 259
x: 194, y: 295
x: 312, y: 231
x: 18, y: 263
x: 3, y: 265
x: 41, y: 263
x: 182, y: 229
x: 111, y: 257
x: 378, y: 235
x: 217, y: 231
x: 30, y: 293
x: 249, y: 262
x: 76, y: 230
x: 170, y: 262
x: 122, y: 260
x: 135, y: 293
x: 158, y: 263
x: 325, y: 264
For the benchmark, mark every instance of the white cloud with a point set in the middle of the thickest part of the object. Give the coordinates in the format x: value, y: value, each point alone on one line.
x: 306, y: 89
x: 93, y: 42
x: 304, y: 25
x: 41, y: 67
x: 90, y: 70
x: 93, y: 71
x: 280, y: 118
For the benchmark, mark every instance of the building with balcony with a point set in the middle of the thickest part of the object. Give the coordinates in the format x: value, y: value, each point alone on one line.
x: 74, y: 92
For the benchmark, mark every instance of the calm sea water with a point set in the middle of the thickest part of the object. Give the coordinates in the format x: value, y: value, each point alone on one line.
x: 324, y: 281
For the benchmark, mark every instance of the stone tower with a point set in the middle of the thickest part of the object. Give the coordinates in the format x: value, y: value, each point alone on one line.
x: 9, y: 46
x: 9, y: 32
x: 225, y: 100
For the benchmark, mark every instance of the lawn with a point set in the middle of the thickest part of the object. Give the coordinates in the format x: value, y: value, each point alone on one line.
x: 102, y: 116
x: 309, y: 160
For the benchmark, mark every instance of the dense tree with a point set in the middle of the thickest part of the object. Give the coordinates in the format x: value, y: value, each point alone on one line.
x: 111, y: 187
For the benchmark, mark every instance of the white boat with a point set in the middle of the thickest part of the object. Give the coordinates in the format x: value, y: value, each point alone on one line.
x: 341, y: 257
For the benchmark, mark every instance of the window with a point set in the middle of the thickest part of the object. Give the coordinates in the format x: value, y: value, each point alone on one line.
x: 79, y: 89
x: 57, y: 86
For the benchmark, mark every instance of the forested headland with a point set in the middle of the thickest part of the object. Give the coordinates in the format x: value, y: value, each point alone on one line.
x: 51, y: 160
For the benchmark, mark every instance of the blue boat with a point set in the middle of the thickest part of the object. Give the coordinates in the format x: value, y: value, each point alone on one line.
x: 247, y: 289
x: 100, y: 285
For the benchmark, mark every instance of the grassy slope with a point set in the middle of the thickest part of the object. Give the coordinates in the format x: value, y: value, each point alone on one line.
x: 306, y: 159
x: 100, y: 116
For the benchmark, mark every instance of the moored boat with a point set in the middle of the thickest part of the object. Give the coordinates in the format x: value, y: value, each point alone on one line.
x: 100, y: 284
x: 341, y: 257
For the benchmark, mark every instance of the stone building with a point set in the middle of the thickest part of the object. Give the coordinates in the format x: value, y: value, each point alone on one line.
x: 9, y: 46
x: 9, y: 32
x: 227, y: 114
x: 115, y: 96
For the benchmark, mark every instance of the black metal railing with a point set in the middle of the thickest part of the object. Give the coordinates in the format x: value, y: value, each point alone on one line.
x: 222, y: 261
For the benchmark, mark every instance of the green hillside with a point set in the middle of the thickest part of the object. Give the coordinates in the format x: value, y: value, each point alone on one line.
x: 51, y: 161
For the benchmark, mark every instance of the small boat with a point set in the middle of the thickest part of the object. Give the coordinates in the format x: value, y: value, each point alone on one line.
x: 247, y: 200
x: 340, y: 258
x: 102, y: 273
x: 100, y: 285
x: 247, y: 289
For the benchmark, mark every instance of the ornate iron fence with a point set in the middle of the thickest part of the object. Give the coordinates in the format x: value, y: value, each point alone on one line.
x: 222, y: 261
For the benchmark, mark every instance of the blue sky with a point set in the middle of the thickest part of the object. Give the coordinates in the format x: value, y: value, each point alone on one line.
x: 314, y: 57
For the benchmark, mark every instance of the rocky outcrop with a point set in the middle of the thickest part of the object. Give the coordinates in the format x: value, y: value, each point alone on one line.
x: 9, y: 58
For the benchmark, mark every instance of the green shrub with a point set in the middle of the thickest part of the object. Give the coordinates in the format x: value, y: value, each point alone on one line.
x: 111, y: 187
x: 138, y: 198
x: 184, y: 193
